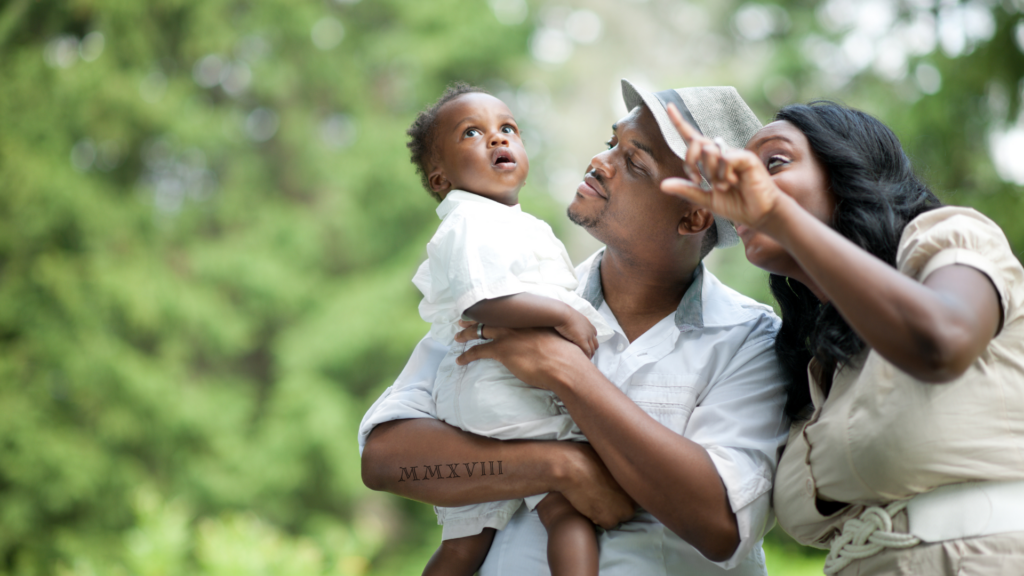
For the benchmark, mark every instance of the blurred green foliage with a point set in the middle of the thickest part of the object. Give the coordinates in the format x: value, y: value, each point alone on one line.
x: 208, y: 223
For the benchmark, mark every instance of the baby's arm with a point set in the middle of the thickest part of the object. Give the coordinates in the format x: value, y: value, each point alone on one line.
x: 525, y: 310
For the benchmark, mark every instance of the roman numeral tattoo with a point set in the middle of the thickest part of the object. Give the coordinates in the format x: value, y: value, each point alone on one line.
x: 434, y: 470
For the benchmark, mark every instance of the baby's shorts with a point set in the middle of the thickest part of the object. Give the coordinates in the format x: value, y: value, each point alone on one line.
x: 462, y: 521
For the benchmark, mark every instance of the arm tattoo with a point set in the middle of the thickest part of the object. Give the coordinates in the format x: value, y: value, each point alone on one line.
x: 434, y: 470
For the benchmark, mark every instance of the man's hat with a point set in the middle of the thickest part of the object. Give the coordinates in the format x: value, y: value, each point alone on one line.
x: 715, y: 111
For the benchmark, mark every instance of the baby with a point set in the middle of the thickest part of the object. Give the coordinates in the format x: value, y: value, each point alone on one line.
x: 492, y: 263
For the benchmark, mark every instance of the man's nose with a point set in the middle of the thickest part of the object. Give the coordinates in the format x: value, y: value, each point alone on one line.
x: 601, y: 163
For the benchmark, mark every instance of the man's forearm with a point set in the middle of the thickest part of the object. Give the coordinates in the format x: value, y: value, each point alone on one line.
x: 668, y: 475
x: 430, y: 461
x: 522, y: 310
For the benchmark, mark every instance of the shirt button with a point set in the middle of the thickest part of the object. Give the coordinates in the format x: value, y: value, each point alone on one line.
x: 809, y: 486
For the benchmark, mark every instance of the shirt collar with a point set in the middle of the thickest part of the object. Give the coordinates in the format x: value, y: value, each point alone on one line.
x: 690, y: 312
x: 456, y: 198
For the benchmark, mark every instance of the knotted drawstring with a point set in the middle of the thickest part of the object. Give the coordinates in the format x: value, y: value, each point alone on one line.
x: 866, y: 536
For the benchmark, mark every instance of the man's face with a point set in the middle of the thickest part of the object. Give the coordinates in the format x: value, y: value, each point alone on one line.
x: 620, y: 199
x: 478, y: 149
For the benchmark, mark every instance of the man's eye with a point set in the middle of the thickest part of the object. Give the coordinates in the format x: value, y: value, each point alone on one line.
x: 776, y: 162
x: 472, y: 132
x: 636, y: 167
x: 610, y: 143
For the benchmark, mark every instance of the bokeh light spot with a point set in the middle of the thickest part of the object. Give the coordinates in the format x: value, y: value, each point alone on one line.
x: 153, y: 87
x: 550, y: 45
x: 83, y: 154
x: 928, y: 77
x: 61, y: 52
x: 91, y: 46
x: 583, y: 26
x: 327, y: 33
x: 207, y: 70
x: 338, y: 131
x: 509, y: 12
x: 261, y: 125
x: 1007, y: 150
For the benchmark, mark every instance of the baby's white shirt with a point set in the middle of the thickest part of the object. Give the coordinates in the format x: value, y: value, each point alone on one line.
x: 484, y: 249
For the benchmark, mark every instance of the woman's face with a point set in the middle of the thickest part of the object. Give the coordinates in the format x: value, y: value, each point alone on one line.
x: 796, y: 171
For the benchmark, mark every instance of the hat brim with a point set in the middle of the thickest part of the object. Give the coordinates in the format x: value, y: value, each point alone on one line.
x: 634, y: 96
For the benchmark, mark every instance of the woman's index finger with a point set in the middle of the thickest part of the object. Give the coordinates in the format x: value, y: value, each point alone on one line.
x: 684, y: 128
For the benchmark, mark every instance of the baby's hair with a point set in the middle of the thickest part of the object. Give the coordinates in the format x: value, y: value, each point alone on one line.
x: 421, y: 133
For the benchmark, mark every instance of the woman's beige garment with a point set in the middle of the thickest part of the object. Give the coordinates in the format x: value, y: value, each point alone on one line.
x: 881, y: 435
x: 994, y: 555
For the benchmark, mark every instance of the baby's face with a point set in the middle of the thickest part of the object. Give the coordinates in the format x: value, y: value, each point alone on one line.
x: 479, y: 149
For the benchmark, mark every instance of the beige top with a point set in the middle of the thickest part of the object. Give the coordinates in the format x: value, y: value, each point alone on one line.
x: 882, y: 435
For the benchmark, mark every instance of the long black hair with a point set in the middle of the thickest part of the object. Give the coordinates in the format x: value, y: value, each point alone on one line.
x: 877, y: 195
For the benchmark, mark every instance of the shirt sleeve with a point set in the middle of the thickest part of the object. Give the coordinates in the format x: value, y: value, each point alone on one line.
x: 963, y: 236
x: 475, y: 258
x: 741, y: 424
x: 411, y: 396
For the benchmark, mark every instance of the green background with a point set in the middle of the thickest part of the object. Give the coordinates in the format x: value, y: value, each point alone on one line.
x: 208, y: 224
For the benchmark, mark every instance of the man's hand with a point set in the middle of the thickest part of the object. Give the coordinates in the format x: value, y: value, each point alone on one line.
x: 580, y: 331
x: 540, y: 357
x: 591, y: 489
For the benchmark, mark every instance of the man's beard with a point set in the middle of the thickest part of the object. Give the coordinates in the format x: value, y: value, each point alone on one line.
x: 588, y: 222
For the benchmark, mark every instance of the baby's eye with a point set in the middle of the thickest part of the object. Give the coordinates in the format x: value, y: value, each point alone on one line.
x: 776, y: 161
x: 471, y: 132
x: 506, y: 129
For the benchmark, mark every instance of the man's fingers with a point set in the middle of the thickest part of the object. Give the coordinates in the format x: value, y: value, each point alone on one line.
x: 470, y: 334
x: 478, y: 352
x: 467, y: 334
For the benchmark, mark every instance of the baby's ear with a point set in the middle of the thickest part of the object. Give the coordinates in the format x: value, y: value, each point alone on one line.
x: 438, y: 181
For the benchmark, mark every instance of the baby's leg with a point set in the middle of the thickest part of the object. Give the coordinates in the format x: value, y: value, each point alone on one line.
x: 460, y: 556
x: 572, y: 543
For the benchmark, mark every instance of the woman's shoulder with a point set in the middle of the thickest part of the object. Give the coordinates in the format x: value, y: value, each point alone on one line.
x: 946, y: 219
x: 947, y: 229
x: 956, y: 235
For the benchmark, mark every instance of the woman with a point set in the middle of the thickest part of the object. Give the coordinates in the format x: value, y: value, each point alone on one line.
x: 903, y: 338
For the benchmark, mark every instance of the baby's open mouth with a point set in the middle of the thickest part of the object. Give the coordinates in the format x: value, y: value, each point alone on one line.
x: 503, y: 157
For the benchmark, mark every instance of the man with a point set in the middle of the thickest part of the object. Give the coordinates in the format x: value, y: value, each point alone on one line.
x: 682, y: 406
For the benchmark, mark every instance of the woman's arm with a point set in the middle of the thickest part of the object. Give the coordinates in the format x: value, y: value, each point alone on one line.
x: 932, y: 331
x: 430, y: 461
x: 668, y: 475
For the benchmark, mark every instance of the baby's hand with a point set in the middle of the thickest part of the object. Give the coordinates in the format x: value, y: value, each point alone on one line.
x: 578, y: 330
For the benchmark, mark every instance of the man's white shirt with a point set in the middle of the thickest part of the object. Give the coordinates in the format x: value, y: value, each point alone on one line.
x: 707, y: 372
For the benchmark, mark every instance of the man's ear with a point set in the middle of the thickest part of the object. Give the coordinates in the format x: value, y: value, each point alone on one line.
x: 695, y: 220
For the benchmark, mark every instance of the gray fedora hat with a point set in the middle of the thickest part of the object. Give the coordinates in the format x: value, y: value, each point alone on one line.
x: 716, y: 112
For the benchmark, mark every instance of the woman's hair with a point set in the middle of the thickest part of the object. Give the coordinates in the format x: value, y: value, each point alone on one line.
x: 877, y: 195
